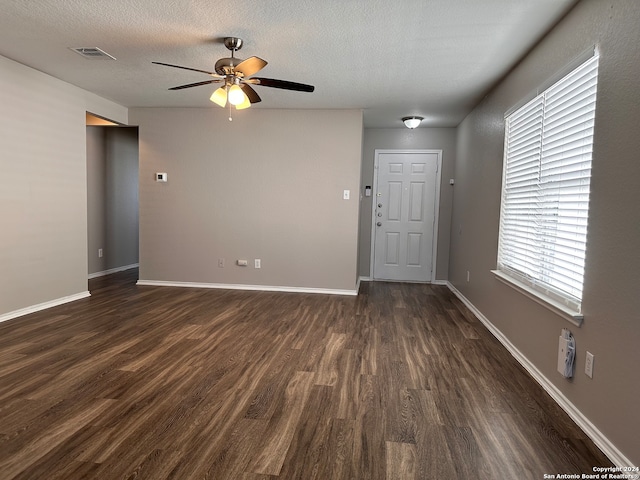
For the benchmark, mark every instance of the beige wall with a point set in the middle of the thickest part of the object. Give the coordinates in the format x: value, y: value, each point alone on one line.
x: 611, y: 329
x: 404, y: 139
x: 112, y: 197
x: 267, y: 185
x: 43, y: 199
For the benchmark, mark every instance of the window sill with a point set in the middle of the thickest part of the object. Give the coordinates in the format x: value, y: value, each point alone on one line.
x: 556, y: 307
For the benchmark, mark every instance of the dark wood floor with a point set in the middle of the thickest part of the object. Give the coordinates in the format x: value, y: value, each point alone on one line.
x: 401, y: 382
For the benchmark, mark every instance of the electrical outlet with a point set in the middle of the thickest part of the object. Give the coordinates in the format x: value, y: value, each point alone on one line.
x: 221, y: 262
x: 588, y: 365
x: 99, y: 253
x: 257, y: 263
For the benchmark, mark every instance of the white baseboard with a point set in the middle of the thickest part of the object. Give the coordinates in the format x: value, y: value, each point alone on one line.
x: 43, y: 306
x: 602, y: 442
x: 435, y: 282
x: 260, y: 288
x: 113, y: 270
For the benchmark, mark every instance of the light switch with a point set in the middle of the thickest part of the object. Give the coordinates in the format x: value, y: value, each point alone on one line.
x: 346, y: 194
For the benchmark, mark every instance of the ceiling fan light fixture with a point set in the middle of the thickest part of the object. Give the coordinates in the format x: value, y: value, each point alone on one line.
x: 219, y: 96
x: 412, y: 122
x: 245, y: 104
x: 236, y: 96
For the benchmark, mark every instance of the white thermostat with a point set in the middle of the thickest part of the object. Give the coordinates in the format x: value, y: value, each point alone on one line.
x: 161, y: 177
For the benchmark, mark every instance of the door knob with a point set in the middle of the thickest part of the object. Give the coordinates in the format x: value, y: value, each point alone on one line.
x: 379, y: 214
x: 379, y: 205
x: 379, y: 224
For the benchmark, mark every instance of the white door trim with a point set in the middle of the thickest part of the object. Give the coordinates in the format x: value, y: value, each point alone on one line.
x: 437, y: 205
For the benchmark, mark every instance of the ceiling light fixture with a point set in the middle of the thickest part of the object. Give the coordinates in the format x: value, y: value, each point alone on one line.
x: 236, y: 95
x: 233, y: 96
x: 412, y: 122
x: 219, y: 96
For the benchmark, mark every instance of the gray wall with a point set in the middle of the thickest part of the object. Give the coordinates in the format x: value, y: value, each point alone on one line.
x: 112, y: 197
x: 404, y: 139
x: 611, y: 330
x: 267, y: 185
x: 43, y: 186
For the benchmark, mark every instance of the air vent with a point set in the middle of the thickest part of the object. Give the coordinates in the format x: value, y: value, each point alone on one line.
x: 93, y: 52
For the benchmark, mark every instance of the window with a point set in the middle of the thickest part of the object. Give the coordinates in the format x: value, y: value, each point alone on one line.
x: 545, y: 192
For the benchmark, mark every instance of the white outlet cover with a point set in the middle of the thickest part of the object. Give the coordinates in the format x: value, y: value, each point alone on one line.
x: 588, y: 365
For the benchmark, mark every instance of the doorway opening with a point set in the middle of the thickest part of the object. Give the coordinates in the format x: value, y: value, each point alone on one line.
x: 112, y: 197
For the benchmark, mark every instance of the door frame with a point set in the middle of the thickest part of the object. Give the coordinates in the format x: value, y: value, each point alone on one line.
x: 436, y: 216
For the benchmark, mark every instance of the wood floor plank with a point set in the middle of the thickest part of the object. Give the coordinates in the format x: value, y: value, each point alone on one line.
x: 465, y: 454
x: 339, y: 451
x: 401, y: 381
x: 347, y: 388
x: 37, y: 447
x: 283, y: 425
x: 434, y: 461
x: 210, y: 431
x: 238, y: 450
x: 308, y: 453
x: 327, y: 370
x: 369, y: 348
x: 401, y: 461
x: 369, y: 461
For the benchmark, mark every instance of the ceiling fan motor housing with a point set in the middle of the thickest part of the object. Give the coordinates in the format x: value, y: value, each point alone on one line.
x: 225, y: 66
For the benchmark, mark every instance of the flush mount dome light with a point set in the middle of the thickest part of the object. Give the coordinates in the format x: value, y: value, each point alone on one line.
x: 412, y: 122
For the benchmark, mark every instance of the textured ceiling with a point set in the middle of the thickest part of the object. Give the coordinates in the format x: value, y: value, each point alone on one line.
x: 434, y: 58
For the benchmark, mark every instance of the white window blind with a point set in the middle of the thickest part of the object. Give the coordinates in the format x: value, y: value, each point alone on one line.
x: 545, y: 194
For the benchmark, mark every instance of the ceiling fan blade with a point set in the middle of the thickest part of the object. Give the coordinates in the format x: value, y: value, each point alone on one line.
x: 189, y: 85
x: 251, y: 94
x: 213, y: 74
x: 250, y: 66
x: 284, y: 84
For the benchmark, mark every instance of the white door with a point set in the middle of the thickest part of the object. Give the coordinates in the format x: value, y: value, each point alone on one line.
x: 404, y: 209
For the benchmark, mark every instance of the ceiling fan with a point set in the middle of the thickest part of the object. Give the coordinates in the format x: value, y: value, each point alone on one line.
x: 235, y: 75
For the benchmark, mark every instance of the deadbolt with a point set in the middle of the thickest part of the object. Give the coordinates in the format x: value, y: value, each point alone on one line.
x: 379, y: 224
